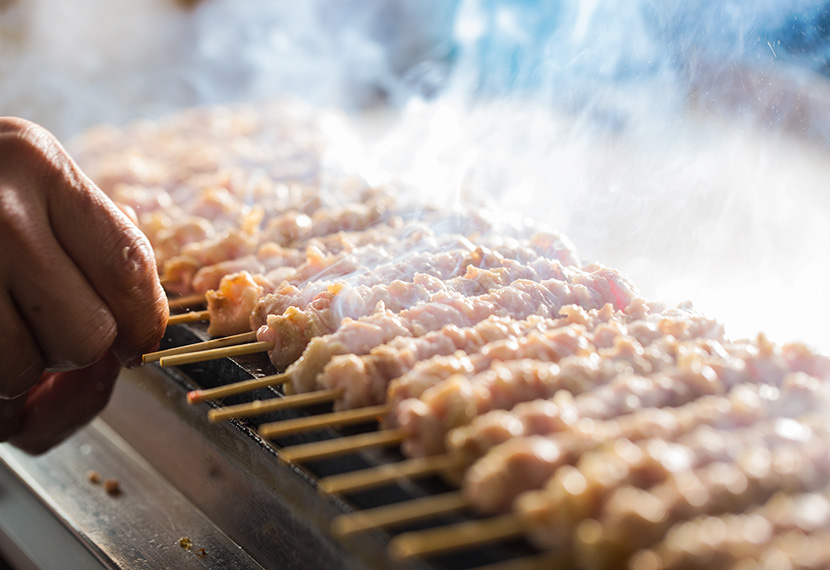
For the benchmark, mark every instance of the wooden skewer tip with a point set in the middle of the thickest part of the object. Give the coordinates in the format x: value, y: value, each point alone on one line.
x: 214, y: 417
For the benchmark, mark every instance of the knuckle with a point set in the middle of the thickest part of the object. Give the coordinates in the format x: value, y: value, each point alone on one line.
x: 34, y: 159
x: 143, y: 309
x: 135, y: 266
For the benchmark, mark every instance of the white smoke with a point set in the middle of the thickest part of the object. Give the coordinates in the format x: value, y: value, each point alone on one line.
x: 72, y: 65
x: 621, y: 125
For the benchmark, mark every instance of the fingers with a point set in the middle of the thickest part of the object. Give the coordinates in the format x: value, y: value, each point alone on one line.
x: 72, y: 326
x: 20, y: 361
x: 47, y: 419
x: 115, y: 279
x: 118, y: 261
x: 78, y: 285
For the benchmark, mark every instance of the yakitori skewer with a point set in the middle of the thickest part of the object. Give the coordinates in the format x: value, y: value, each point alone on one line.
x: 552, y: 517
x: 242, y: 300
x: 322, y: 348
x: 200, y: 346
x: 746, y: 405
x: 419, y: 251
x: 604, y: 532
x: 526, y: 378
x: 538, y: 380
x: 542, y: 297
x: 535, y: 376
x: 483, y: 272
x: 180, y: 269
x: 519, y: 300
x: 391, y: 354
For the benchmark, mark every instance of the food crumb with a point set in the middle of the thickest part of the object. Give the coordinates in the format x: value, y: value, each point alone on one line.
x: 201, y: 553
x: 112, y: 487
x: 93, y: 477
x: 186, y: 543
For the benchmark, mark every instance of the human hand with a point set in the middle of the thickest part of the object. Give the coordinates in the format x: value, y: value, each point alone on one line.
x: 79, y: 290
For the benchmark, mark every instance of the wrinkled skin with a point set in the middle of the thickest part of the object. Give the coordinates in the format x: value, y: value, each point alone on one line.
x: 79, y: 291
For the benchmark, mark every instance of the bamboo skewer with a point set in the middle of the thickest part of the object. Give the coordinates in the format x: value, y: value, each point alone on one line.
x: 341, y: 446
x: 456, y: 537
x: 197, y: 396
x: 345, y: 417
x: 258, y: 407
x: 200, y: 346
x: 398, y: 513
x: 216, y: 353
x: 378, y: 476
x: 186, y: 302
x: 192, y: 317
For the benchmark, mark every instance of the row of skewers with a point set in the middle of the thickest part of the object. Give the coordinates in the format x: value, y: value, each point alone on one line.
x: 519, y: 409
x: 609, y: 430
